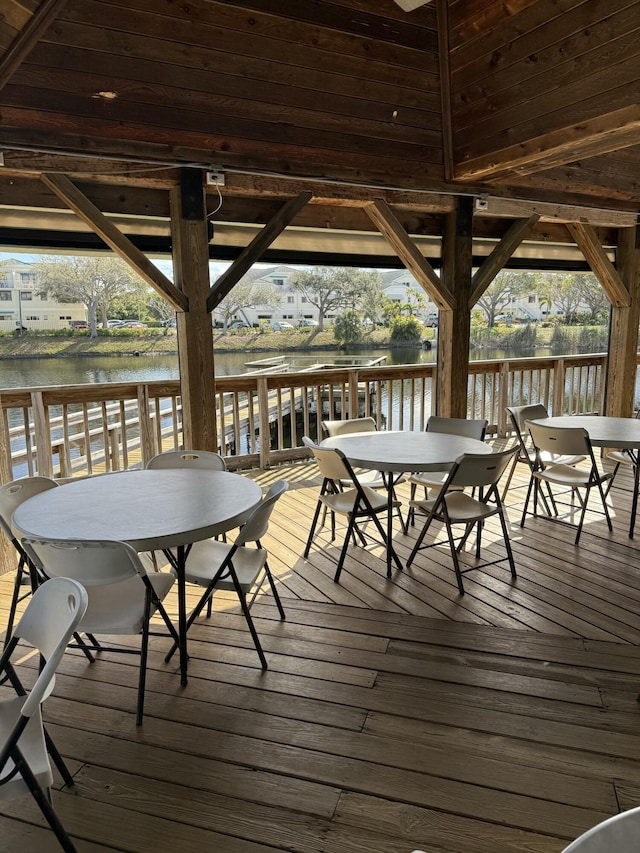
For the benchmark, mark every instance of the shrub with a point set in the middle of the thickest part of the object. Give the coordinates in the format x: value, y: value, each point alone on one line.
x: 347, y: 328
x: 406, y: 330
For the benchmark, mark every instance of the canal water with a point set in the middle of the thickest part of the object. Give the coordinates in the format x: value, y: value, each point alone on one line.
x: 83, y: 370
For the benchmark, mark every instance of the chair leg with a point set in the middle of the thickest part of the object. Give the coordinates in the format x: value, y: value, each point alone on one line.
x: 144, y: 649
x: 532, y: 482
x: 15, y: 597
x: 43, y: 801
x: 512, y: 471
x: 52, y: 749
x: 345, y: 545
x: 454, y: 555
x: 312, y: 531
x: 274, y: 591
x: 507, y: 541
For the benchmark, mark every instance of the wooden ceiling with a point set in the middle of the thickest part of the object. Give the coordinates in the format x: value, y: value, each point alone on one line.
x: 531, y: 105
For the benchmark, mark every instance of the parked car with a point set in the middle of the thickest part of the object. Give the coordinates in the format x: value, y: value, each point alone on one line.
x: 115, y: 324
x: 280, y: 326
x: 134, y: 324
x: 78, y: 324
x: 239, y: 324
x: 308, y: 324
x: 432, y: 321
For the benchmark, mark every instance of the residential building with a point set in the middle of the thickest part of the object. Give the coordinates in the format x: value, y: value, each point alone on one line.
x: 23, y: 306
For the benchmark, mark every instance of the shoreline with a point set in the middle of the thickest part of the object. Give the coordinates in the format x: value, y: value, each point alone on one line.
x: 56, y: 346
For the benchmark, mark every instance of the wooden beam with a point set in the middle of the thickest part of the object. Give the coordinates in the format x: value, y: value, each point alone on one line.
x: 561, y: 213
x: 115, y: 239
x: 602, y: 267
x: 256, y: 248
x: 27, y: 39
x: 442, y: 11
x: 391, y: 229
x: 623, y: 332
x: 499, y: 256
x: 455, y: 326
x: 195, y: 333
x: 610, y: 132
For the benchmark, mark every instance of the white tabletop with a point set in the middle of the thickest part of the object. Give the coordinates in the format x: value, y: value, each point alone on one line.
x: 401, y: 451
x: 603, y: 431
x: 149, y: 509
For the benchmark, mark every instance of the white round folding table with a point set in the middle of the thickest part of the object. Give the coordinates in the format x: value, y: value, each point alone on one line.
x: 151, y: 510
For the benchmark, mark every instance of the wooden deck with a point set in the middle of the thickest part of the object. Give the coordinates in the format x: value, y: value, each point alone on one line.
x: 395, y: 714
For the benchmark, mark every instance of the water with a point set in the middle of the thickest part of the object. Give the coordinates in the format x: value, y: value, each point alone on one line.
x: 96, y: 370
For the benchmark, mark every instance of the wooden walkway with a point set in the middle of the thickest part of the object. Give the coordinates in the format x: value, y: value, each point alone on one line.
x: 395, y: 715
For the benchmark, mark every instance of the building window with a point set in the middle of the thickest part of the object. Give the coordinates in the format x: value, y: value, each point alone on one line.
x: 27, y: 278
x: 66, y: 317
x: 26, y: 295
x: 278, y: 281
x: 290, y: 300
x: 531, y: 298
x: 304, y: 299
x: 32, y: 317
x: 6, y: 297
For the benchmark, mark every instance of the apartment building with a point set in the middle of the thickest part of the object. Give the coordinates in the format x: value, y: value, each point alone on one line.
x: 23, y: 307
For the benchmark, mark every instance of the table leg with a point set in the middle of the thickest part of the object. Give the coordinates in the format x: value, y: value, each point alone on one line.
x: 389, y: 520
x: 182, y: 612
x: 634, y: 503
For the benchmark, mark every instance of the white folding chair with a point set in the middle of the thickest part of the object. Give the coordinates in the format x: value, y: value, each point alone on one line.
x: 357, y: 503
x: 519, y: 415
x: 453, y: 506
x: 565, y: 442
x: 11, y: 496
x: 372, y: 479
x: 617, y: 834
x: 195, y: 459
x: 473, y: 428
x: 122, y: 596
x: 237, y: 568
x: 48, y: 622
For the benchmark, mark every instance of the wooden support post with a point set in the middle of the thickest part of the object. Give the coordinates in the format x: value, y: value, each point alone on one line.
x: 620, y: 380
x: 195, y: 333
x: 455, y: 326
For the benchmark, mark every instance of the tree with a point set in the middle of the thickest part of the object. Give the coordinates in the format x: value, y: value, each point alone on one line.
x: 247, y: 294
x: 506, y: 286
x: 160, y: 308
x: 566, y: 293
x: 335, y: 289
x: 96, y: 282
x: 592, y: 295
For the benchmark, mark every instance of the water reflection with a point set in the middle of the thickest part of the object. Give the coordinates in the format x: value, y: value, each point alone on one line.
x: 93, y: 370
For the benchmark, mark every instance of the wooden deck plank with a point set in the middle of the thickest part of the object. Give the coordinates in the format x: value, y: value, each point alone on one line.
x: 394, y: 714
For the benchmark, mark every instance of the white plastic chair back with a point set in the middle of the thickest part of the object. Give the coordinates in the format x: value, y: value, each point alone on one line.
x: 205, y: 460
x: 331, y: 462
x: 617, y: 834
x: 458, y: 426
x: 350, y: 426
x: 521, y: 414
x: 17, y: 492
x: 93, y: 563
x: 49, y: 620
x: 560, y: 441
x: 257, y: 524
x: 480, y: 469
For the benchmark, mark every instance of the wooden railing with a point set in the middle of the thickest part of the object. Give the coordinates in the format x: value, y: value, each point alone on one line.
x: 69, y: 431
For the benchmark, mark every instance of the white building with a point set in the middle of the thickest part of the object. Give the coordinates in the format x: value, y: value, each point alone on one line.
x: 21, y: 305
